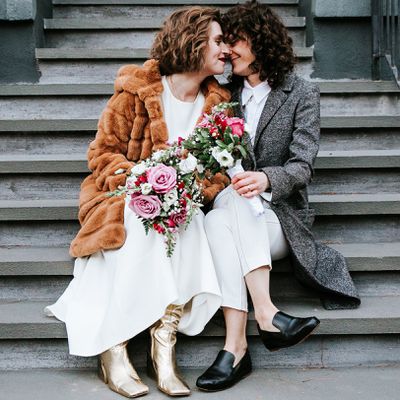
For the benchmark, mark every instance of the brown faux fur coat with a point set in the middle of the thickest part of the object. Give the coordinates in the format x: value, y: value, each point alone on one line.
x: 130, y: 128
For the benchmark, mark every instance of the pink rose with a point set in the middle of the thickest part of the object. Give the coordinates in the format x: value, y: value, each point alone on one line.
x: 162, y: 178
x: 237, y: 125
x: 147, y: 207
x: 179, y: 218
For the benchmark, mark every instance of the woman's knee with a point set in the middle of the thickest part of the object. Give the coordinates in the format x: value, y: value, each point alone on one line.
x: 216, y: 220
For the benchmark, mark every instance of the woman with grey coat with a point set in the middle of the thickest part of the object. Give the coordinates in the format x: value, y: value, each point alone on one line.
x: 282, y: 117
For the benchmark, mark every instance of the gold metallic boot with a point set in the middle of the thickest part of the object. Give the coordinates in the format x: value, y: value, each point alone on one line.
x: 161, y: 362
x: 117, y: 372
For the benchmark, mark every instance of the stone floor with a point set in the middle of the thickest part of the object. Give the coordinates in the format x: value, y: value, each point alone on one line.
x: 375, y: 383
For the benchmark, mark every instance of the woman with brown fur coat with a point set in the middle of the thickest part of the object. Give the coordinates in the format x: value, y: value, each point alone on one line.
x: 123, y: 281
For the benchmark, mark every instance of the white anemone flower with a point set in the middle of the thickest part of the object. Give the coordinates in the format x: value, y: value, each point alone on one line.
x: 224, y: 158
x: 188, y: 165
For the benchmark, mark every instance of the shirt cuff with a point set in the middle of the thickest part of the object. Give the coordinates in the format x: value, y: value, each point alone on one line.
x: 266, y: 196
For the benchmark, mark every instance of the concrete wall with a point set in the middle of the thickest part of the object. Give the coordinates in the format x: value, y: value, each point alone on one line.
x: 341, y: 33
x: 21, y: 31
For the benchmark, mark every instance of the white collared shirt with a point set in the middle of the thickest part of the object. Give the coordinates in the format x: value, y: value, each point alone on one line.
x: 253, y: 102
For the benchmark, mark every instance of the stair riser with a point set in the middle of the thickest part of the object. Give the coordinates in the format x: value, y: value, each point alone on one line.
x: 45, y: 143
x: 359, y: 139
x: 49, y: 288
x: 341, y: 229
x: 99, y: 71
x: 22, y: 185
x: 361, y: 104
x: 77, y: 142
x: 92, y: 106
x: 117, y: 39
x: 142, y: 12
x: 316, y: 352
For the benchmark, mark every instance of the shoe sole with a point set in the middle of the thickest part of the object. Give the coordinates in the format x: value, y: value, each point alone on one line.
x: 272, y: 349
x: 228, y: 387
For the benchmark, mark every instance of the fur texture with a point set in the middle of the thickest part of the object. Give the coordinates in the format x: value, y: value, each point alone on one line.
x: 131, y: 127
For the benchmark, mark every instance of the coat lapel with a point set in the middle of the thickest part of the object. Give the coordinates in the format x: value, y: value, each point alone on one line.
x: 275, y: 100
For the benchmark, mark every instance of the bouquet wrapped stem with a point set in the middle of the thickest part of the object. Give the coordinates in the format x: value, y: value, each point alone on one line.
x: 255, y: 203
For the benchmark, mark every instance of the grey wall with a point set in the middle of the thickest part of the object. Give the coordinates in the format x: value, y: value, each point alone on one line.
x: 342, y: 48
x: 21, y: 31
x: 340, y: 31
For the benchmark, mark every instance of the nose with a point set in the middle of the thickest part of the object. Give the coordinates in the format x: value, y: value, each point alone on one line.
x: 226, y: 49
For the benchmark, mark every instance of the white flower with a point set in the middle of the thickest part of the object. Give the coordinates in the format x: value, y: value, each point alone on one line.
x: 166, y: 207
x: 215, y: 152
x: 188, y: 165
x: 138, y: 169
x: 146, y: 188
x: 224, y: 158
x: 171, y: 197
x: 200, y: 168
x: 158, y: 155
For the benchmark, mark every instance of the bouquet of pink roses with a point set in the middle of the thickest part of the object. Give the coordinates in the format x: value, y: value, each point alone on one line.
x: 218, y: 145
x: 163, y: 192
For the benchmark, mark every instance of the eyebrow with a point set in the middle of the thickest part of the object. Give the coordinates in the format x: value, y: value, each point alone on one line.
x: 218, y: 36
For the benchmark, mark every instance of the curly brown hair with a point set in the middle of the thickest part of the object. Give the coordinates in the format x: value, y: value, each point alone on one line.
x: 181, y: 43
x: 268, y: 37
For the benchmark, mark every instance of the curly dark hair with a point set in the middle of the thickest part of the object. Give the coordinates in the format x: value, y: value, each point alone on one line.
x: 182, y: 41
x: 268, y: 37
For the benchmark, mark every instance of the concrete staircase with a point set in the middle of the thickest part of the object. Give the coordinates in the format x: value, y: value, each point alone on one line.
x: 45, y: 130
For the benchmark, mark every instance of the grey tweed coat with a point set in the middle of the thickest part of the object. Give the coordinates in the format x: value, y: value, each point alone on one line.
x: 285, y: 148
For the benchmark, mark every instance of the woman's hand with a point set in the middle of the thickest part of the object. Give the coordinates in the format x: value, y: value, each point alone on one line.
x: 250, y: 183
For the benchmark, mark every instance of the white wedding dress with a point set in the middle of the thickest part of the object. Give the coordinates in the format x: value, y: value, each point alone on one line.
x: 115, y: 294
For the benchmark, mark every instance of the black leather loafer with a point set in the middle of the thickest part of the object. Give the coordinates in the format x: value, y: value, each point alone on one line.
x: 222, y: 375
x: 293, y: 330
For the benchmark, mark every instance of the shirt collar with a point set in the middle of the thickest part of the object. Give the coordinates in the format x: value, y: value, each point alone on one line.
x: 259, y: 92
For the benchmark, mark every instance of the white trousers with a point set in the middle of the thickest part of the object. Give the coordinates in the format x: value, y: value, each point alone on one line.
x: 241, y: 243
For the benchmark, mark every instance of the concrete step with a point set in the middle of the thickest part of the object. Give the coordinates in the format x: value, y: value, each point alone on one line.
x: 77, y: 163
x: 39, y: 185
x: 309, y: 384
x: 56, y: 261
x: 199, y: 352
x: 359, y: 139
x: 324, y: 205
x: 91, y: 106
x: 38, y: 142
x: 283, y: 286
x: 122, y: 32
x: 377, y: 315
x: 332, y: 230
x: 119, y: 54
x: 139, y: 9
x: 81, y: 125
x: 79, y: 65
x: 121, y: 23
x: 326, y: 87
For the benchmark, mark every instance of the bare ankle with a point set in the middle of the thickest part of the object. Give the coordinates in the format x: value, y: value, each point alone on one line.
x: 264, y: 318
x: 237, y: 349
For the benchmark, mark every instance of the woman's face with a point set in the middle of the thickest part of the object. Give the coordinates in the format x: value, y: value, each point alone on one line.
x: 241, y: 57
x: 216, y: 52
